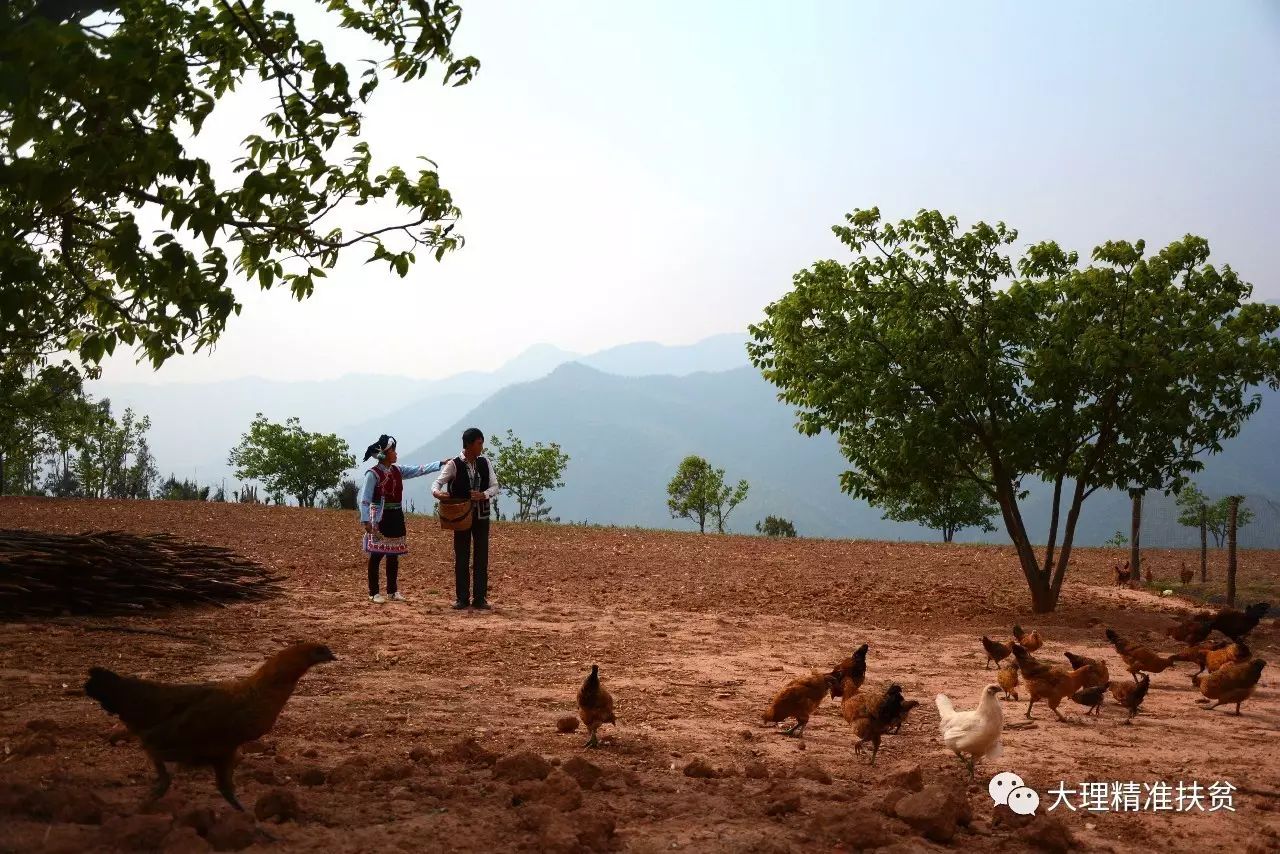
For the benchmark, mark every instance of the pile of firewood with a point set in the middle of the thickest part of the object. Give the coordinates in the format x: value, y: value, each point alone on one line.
x: 111, y: 572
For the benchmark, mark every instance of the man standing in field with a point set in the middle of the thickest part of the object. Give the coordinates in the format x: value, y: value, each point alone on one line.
x: 470, y: 475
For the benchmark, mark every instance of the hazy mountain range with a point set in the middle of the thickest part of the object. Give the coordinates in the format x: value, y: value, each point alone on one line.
x: 626, y: 416
x: 195, y: 425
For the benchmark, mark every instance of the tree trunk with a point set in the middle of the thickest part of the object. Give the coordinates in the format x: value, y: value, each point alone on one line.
x: 948, y: 534
x: 1231, y: 550
x: 1204, y: 544
x: 1043, y: 598
x: 1135, y: 529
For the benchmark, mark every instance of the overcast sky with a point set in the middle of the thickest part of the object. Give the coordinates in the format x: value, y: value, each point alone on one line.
x: 658, y: 171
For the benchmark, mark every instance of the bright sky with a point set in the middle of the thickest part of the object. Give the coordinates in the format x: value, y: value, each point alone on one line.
x: 658, y: 171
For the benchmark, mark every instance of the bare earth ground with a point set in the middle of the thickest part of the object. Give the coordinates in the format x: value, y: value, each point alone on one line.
x: 692, y: 634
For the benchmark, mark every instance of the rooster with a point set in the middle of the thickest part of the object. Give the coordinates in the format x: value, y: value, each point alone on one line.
x: 855, y: 666
x: 204, y: 724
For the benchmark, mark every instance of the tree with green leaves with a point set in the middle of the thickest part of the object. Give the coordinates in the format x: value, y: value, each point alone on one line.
x: 117, y: 229
x: 528, y: 472
x: 947, y: 505
x: 1216, y: 513
x: 776, y: 526
x: 698, y: 492
x: 289, y: 460
x: 113, y: 458
x: 932, y: 354
x: 43, y: 414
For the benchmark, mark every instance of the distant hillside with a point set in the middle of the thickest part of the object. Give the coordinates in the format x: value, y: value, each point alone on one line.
x: 625, y: 437
x: 195, y: 425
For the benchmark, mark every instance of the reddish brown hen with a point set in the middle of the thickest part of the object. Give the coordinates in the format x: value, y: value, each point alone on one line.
x: 204, y: 724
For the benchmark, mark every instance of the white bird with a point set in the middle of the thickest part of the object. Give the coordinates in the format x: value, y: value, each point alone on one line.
x: 976, y: 732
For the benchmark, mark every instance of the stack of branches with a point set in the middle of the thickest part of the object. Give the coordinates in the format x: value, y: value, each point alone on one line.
x: 112, y: 572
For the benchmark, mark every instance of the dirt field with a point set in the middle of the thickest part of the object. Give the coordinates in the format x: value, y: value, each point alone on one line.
x: 393, y: 745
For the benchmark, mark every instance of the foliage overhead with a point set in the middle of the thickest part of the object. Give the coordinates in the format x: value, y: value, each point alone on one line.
x: 116, y: 231
x: 932, y: 357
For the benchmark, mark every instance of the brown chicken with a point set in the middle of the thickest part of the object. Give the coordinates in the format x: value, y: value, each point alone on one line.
x: 1007, y: 676
x: 1046, y: 682
x: 595, y: 705
x: 1234, y: 683
x: 996, y: 651
x: 1214, y: 656
x: 799, y: 699
x: 1098, y: 675
x: 1184, y: 574
x: 1138, y: 658
x: 1193, y: 629
x: 206, y: 724
x: 1146, y: 574
x: 1130, y: 694
x: 873, y: 713
x: 1091, y: 698
x: 1199, y: 654
x: 1030, y: 640
x: 1236, y: 624
x: 855, y: 666
x: 1122, y: 574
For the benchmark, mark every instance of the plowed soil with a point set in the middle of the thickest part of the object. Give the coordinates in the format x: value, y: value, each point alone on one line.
x: 399, y: 743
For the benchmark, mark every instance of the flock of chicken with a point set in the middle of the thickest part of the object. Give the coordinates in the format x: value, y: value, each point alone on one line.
x: 1228, y: 674
x: 206, y: 724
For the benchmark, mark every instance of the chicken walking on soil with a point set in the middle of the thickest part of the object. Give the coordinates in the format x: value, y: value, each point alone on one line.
x: 1138, y: 658
x: 1047, y: 682
x: 1098, y: 675
x: 798, y: 699
x: 973, y: 734
x: 595, y: 705
x: 1234, y: 683
x: 204, y: 725
x: 1091, y: 698
x: 1007, y: 676
x: 1214, y: 656
x: 996, y: 651
x: 1130, y: 694
x: 872, y: 713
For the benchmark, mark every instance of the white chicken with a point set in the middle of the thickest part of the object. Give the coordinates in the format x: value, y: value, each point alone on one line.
x: 976, y: 732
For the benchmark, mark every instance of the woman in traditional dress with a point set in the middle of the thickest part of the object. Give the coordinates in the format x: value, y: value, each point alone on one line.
x: 382, y: 515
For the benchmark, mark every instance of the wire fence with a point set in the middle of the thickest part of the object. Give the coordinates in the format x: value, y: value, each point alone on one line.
x: 1187, y: 547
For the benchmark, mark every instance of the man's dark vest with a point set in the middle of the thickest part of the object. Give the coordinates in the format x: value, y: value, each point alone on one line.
x: 460, y: 486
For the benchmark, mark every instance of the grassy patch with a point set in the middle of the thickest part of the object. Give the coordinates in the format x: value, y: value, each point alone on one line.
x: 1214, y: 593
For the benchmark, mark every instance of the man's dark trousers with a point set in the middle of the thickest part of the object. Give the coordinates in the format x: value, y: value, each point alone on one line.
x: 462, y: 547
